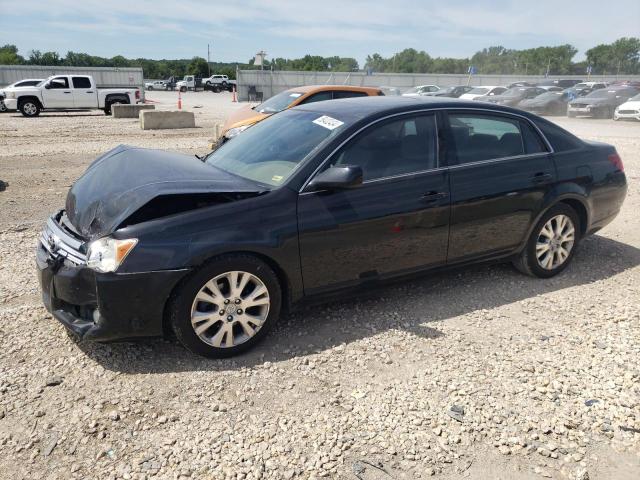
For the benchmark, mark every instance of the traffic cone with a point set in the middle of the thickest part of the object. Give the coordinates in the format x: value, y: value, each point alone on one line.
x: 234, y: 94
x: 179, y: 100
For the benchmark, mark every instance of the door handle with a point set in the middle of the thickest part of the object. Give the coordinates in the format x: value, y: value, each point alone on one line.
x: 90, y: 91
x: 433, y: 196
x: 66, y: 92
x: 542, y: 177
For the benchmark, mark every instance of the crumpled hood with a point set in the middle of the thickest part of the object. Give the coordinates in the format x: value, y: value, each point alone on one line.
x: 124, y: 179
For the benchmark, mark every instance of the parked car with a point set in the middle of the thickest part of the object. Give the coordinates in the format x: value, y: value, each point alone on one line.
x: 484, y: 91
x: 387, y: 90
x: 189, y: 82
x: 562, y: 83
x: 219, y: 82
x: 514, y: 96
x: 629, y: 109
x: 320, y: 199
x: 549, y: 103
x: 521, y: 84
x: 66, y: 92
x: 452, y: 92
x: 420, y: 90
x: 27, y: 82
x: 156, y: 85
x: 601, y: 103
x: 245, y: 117
x: 584, y: 88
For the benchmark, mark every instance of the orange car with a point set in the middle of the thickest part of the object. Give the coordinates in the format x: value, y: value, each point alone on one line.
x: 248, y: 115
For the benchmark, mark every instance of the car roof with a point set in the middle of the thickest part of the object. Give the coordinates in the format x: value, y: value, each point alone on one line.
x: 382, y: 105
x: 343, y: 88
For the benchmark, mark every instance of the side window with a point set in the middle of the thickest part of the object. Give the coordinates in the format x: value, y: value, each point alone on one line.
x: 394, y: 147
x: 483, y: 137
x: 560, y: 140
x: 345, y: 94
x: 59, y: 82
x: 533, y: 143
x: 499, y: 91
x: 81, y: 82
x: 318, y: 97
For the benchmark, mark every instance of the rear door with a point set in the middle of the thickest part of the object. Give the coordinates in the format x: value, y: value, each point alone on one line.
x: 84, y: 94
x: 501, y: 170
x: 397, y: 221
x: 59, y: 94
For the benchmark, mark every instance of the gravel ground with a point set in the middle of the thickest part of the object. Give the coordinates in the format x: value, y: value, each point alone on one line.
x: 475, y: 373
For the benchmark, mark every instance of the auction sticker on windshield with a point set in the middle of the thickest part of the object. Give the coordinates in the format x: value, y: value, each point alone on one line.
x: 328, y: 122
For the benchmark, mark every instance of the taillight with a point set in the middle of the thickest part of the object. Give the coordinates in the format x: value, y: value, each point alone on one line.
x: 617, y: 161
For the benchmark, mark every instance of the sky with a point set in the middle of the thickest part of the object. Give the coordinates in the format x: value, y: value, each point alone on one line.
x: 237, y: 29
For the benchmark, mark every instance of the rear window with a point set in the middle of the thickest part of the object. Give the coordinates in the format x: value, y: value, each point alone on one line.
x: 346, y: 94
x: 560, y: 139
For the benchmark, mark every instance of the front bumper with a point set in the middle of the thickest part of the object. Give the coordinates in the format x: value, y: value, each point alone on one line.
x: 630, y: 116
x: 103, y: 306
x: 11, y: 103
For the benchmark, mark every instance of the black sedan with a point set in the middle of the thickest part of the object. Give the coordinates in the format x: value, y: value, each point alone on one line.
x: 550, y: 103
x: 322, y: 198
x: 515, y: 95
x: 601, y: 103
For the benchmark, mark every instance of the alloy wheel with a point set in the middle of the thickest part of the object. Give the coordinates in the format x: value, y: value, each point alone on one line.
x: 30, y: 108
x: 230, y: 309
x: 555, y: 242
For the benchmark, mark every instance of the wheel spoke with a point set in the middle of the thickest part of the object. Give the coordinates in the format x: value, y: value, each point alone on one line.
x: 200, y: 329
x: 213, y: 287
x: 218, y: 338
x: 205, y: 297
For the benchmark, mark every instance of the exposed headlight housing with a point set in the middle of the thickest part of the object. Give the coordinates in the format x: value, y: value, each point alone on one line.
x: 232, y: 132
x: 107, y: 254
x: 11, y: 95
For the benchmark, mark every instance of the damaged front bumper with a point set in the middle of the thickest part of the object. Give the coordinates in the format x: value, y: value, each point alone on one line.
x: 99, y: 306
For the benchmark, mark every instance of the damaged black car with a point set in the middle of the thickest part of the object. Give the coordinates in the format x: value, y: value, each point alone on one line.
x: 320, y: 199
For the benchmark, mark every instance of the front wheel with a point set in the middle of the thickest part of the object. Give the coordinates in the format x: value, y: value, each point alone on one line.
x: 226, y: 307
x: 29, y: 108
x: 183, y: 89
x: 150, y: 88
x: 3, y: 107
x: 552, y: 243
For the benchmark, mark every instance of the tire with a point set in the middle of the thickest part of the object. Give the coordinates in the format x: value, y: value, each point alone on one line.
x: 3, y: 107
x: 224, y: 85
x: 29, y: 108
x: 109, y: 104
x: 529, y: 263
x: 183, y: 89
x: 150, y: 88
x: 222, y: 318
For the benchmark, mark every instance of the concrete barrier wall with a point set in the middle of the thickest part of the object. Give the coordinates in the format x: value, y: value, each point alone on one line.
x: 158, y: 120
x: 129, y: 111
x: 271, y: 83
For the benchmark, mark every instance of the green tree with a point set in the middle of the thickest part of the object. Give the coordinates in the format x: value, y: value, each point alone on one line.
x: 9, y: 55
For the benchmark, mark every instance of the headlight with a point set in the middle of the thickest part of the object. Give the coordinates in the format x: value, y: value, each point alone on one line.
x: 106, y: 254
x: 232, y: 132
x: 11, y: 95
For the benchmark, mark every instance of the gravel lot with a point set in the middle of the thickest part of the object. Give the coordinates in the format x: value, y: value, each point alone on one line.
x: 477, y: 373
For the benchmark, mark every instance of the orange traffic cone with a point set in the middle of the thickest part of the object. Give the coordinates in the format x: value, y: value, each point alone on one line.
x: 234, y: 94
x: 179, y: 100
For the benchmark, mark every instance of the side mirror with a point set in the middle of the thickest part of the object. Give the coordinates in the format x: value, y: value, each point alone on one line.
x: 338, y: 177
x: 47, y: 86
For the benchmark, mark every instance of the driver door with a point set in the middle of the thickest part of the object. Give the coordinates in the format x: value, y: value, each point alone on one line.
x: 396, y: 222
x: 59, y: 94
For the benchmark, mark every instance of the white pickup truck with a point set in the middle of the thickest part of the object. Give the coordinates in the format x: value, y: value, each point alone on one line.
x: 214, y: 82
x: 67, y: 92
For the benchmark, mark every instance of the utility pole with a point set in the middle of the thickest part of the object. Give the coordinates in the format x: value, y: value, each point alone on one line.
x: 209, y: 59
x: 548, y: 67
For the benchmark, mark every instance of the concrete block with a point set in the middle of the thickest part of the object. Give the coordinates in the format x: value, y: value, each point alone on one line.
x: 129, y: 111
x: 159, y: 119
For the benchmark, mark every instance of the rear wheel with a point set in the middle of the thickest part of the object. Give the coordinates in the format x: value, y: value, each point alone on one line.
x: 149, y: 88
x: 29, y: 108
x: 111, y: 103
x: 183, y: 89
x: 227, y: 306
x: 552, y: 243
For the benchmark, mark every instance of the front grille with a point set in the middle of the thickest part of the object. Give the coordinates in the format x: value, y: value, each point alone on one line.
x: 630, y: 112
x: 579, y: 105
x: 56, y: 240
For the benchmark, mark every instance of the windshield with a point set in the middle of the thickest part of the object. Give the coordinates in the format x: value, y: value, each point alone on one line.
x: 549, y: 96
x: 270, y: 151
x: 478, y: 91
x: 278, y: 102
x: 635, y: 98
x: 604, y: 93
x: 514, y: 92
